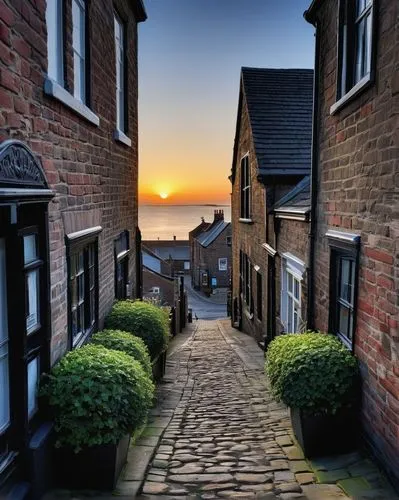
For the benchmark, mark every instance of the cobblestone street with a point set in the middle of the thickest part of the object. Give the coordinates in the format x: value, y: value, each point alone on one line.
x: 225, y: 436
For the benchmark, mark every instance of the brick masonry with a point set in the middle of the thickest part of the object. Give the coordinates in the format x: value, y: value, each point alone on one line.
x: 359, y: 192
x: 84, y: 165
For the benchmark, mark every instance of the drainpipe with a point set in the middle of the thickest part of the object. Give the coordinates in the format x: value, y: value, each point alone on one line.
x: 314, y: 180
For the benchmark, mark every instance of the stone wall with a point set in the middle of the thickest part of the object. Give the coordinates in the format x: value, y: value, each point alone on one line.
x: 358, y: 191
x: 87, y: 169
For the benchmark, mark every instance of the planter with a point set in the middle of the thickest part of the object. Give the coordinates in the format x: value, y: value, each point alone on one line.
x: 320, y: 435
x: 159, y: 366
x: 96, y: 467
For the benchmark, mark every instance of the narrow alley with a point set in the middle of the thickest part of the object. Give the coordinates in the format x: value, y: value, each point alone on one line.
x: 218, y: 433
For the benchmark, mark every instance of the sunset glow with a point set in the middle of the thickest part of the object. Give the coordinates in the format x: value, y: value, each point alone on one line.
x: 163, y: 195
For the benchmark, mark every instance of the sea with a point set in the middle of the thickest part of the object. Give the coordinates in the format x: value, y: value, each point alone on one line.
x: 166, y: 221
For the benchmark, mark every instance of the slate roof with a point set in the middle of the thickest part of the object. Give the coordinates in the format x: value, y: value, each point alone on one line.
x: 208, y: 237
x: 297, y: 200
x: 280, y: 104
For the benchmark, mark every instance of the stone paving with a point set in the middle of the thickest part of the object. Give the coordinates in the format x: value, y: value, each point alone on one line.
x: 226, y: 434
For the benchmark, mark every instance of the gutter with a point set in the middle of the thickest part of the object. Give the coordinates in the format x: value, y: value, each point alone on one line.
x: 313, y: 181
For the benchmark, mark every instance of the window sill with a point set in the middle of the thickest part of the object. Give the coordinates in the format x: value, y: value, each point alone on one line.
x: 361, y: 85
x: 245, y: 221
x: 121, y: 137
x: 347, y: 343
x: 55, y: 90
x: 248, y: 314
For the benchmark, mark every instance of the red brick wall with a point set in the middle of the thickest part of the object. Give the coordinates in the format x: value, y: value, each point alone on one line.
x: 91, y: 174
x: 249, y: 237
x: 358, y: 192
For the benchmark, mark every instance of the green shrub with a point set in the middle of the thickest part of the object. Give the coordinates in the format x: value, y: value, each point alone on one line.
x: 125, y: 342
x: 97, y: 396
x: 143, y: 320
x: 313, y: 372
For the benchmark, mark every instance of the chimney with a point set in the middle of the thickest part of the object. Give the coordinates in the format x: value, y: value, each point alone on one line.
x: 218, y: 215
x: 174, y: 238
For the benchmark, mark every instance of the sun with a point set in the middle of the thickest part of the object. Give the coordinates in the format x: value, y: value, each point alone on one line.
x: 163, y: 195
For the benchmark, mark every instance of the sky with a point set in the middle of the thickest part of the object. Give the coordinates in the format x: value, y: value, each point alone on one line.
x: 190, y: 56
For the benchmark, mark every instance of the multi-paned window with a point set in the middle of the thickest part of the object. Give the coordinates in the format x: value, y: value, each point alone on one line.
x: 122, y: 250
x: 343, y: 284
x: 79, y: 49
x: 291, y: 292
x: 245, y: 189
x: 120, y: 58
x: 83, y: 289
x: 355, y: 44
x: 4, y: 344
x: 222, y: 263
x: 246, y: 280
x: 55, y: 40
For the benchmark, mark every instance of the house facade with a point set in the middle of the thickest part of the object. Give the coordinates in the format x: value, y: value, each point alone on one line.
x: 211, y: 255
x: 355, y: 221
x: 191, y: 238
x: 174, y: 252
x: 271, y: 156
x: 68, y: 200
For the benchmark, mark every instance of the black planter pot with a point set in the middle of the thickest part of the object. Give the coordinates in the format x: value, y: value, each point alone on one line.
x: 321, y: 435
x: 96, y: 467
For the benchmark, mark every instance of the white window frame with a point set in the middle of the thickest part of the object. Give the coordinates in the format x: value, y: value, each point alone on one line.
x: 55, y: 40
x: 79, y: 50
x: 187, y: 265
x: 292, y: 267
x: 120, y: 81
x: 245, y: 189
x: 222, y: 263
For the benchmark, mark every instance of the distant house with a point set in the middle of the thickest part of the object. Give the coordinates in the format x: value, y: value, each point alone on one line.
x: 271, y: 159
x: 355, y: 218
x: 211, y: 255
x: 174, y: 252
x: 191, y: 236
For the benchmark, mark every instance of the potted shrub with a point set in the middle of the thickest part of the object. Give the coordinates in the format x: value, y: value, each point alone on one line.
x: 317, y: 377
x: 146, y: 321
x: 98, y: 397
x: 127, y: 343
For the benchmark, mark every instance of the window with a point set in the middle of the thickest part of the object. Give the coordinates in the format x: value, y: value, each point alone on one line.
x: 291, y: 293
x: 4, y: 340
x: 355, y: 47
x: 259, y: 296
x: 245, y: 188
x: 55, y: 40
x: 121, y: 249
x: 223, y: 264
x: 228, y: 241
x: 83, y: 288
x: 120, y: 74
x: 246, y: 280
x: 186, y: 265
x: 79, y: 49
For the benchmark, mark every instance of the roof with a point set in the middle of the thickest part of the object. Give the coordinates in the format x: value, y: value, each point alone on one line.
x: 139, y: 10
x: 199, y: 229
x: 279, y: 103
x: 174, y: 249
x: 208, y: 237
x: 309, y: 14
x: 295, y: 204
x: 164, y: 276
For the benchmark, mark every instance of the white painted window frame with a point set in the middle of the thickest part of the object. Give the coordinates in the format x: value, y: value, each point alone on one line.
x: 222, y: 263
x: 79, y: 50
x: 55, y: 41
x: 293, y: 266
x: 120, y: 76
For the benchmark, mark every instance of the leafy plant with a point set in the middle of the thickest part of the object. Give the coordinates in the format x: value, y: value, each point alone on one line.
x: 125, y: 342
x: 97, y: 396
x: 143, y: 320
x: 313, y: 372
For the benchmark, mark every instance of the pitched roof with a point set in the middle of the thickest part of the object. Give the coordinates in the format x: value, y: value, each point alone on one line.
x: 166, y: 249
x: 199, y: 229
x: 208, y: 237
x: 280, y: 104
x: 297, y: 202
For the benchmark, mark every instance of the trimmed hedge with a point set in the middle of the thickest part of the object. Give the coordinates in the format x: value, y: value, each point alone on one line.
x: 143, y: 320
x: 313, y: 372
x: 127, y: 343
x: 97, y: 396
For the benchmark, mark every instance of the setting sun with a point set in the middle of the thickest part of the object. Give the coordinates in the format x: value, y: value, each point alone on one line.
x: 163, y: 195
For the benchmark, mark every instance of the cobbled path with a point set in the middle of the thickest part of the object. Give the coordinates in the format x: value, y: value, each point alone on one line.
x: 226, y: 434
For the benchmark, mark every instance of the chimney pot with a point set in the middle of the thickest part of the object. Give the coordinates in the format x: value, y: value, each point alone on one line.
x: 174, y: 237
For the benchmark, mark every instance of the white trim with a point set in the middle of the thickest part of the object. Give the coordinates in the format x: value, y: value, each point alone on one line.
x: 342, y: 236
x: 245, y: 221
x: 356, y: 89
x: 84, y: 232
x: 269, y: 249
x: 257, y: 268
x: 293, y: 266
x: 121, y: 137
x: 54, y: 89
x: 224, y: 267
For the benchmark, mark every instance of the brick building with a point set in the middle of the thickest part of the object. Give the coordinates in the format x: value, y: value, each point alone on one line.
x: 68, y: 198
x: 191, y: 237
x: 211, y: 255
x: 355, y: 219
x: 271, y: 156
